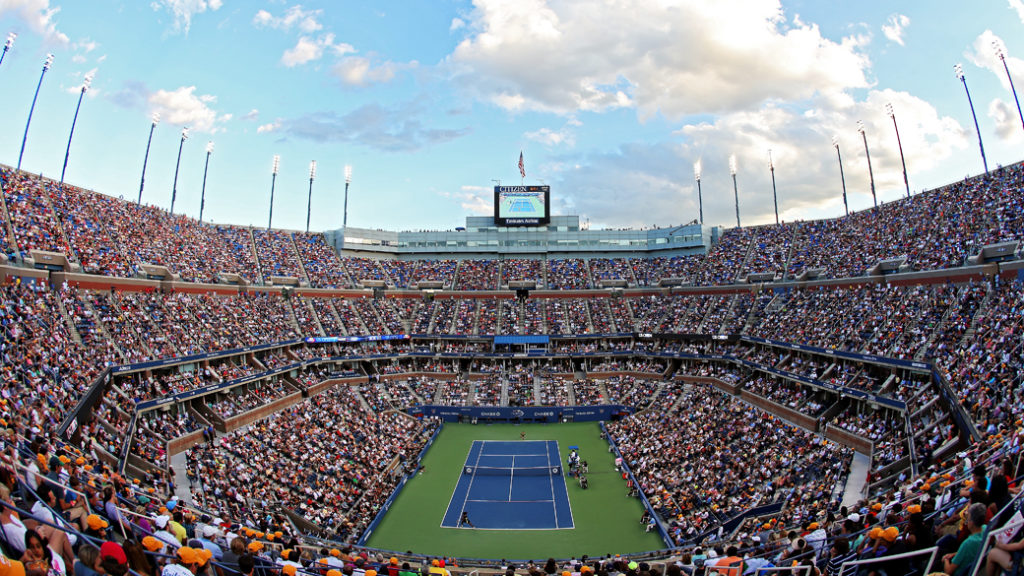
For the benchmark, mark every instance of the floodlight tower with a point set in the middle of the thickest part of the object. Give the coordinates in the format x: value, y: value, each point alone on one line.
x: 348, y: 180
x: 775, y: 195
x: 835, y: 142
x: 700, y: 200
x: 273, y: 181
x: 871, y: 173
x: 1001, y: 54
x: 959, y: 71
x: 85, y: 86
x: 155, y: 119
x: 903, y: 161
x: 202, y: 196
x: 177, y: 165
x: 309, y: 201
x: 46, y: 66
x: 735, y: 189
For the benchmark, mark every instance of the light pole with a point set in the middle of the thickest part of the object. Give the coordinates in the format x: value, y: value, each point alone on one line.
x: 775, y: 195
x: 7, y: 45
x: 273, y: 182
x: 177, y: 165
x: 700, y: 200
x: 959, y: 71
x: 835, y: 142
x: 155, y: 119
x: 735, y: 189
x: 46, y: 66
x: 202, y: 196
x: 903, y: 161
x: 1002, y: 56
x: 871, y: 173
x: 348, y: 180
x: 85, y: 86
x: 309, y: 200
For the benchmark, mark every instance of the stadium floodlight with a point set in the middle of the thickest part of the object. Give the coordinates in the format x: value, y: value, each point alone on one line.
x: 177, y: 165
x: 958, y: 70
x: 273, y: 181
x: 871, y: 173
x: 309, y: 200
x: 8, y: 45
x: 842, y: 177
x: 202, y: 196
x: 700, y: 199
x: 892, y: 114
x: 348, y: 180
x: 86, y: 82
x: 775, y: 195
x: 46, y: 66
x: 1001, y: 54
x: 155, y: 119
x: 735, y: 188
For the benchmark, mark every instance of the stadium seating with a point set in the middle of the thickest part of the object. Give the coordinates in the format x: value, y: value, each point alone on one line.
x: 325, y: 442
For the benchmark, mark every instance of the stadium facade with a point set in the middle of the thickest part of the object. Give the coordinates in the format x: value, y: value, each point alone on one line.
x: 562, y: 237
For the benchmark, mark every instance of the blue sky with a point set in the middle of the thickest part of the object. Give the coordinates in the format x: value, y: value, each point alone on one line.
x: 611, y: 102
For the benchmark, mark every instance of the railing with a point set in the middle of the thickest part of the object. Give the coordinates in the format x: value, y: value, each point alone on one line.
x: 854, y: 565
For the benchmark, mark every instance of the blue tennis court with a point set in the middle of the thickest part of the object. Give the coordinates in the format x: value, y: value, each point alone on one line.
x: 511, y: 486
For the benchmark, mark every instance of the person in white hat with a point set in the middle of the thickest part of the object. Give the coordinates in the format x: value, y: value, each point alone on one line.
x: 162, y: 533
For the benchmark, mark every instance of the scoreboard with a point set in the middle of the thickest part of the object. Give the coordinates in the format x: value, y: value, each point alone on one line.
x: 522, y: 205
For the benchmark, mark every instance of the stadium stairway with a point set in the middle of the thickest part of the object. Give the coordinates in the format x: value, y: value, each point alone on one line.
x: 858, y: 478
x: 181, y: 486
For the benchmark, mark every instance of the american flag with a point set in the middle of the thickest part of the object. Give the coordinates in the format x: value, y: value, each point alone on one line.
x: 522, y: 166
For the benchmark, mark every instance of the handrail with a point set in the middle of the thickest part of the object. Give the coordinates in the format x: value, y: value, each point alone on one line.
x: 931, y: 552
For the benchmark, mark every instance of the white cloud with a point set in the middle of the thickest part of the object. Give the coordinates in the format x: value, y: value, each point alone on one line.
x: 895, y: 28
x: 457, y: 24
x: 184, y: 10
x: 306, y: 21
x: 473, y: 199
x: 1018, y: 6
x: 183, y: 107
x: 85, y: 45
x: 251, y: 115
x: 39, y: 17
x: 1007, y: 120
x: 269, y: 127
x: 308, y: 49
x: 360, y: 71
x: 673, y: 57
x: 81, y: 48
x: 552, y: 138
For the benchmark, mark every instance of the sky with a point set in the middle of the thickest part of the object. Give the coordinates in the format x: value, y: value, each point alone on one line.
x: 431, y: 102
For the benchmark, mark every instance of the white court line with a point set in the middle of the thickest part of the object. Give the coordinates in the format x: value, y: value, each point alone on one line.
x: 512, y: 501
x: 567, y: 499
x: 551, y: 481
x: 471, y: 478
x: 506, y: 455
x: 456, y: 489
x: 511, y: 478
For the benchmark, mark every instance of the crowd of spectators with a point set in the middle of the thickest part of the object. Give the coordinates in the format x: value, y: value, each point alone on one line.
x: 336, y: 481
x: 744, y: 458
x: 56, y: 341
x: 936, y: 229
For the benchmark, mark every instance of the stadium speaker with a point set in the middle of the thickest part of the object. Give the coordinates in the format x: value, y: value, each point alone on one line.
x: 522, y: 293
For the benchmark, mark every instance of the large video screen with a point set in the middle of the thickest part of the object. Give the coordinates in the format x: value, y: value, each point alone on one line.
x: 522, y: 205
